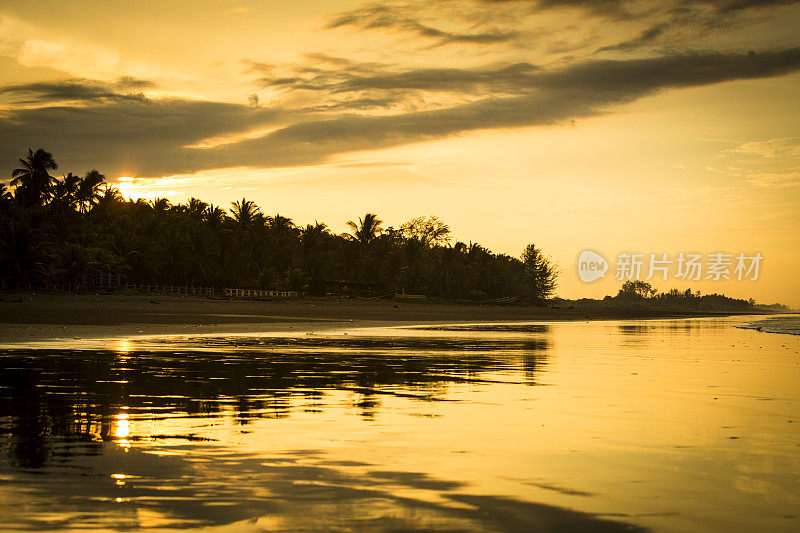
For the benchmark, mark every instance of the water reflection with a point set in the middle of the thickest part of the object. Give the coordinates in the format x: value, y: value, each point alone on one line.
x: 57, y: 403
x: 298, y: 491
x: 82, y: 418
x: 502, y: 428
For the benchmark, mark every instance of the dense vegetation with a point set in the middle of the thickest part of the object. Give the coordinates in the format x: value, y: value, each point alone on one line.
x: 639, y: 292
x: 54, y: 232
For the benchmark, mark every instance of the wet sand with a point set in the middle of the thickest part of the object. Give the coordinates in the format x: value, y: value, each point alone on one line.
x: 42, y: 316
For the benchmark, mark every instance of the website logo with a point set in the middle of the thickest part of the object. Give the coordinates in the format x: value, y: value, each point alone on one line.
x: 591, y: 266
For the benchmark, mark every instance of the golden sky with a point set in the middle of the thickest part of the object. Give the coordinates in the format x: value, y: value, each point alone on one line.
x: 655, y: 127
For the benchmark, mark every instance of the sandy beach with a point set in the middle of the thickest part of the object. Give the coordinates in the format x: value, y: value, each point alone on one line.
x: 46, y: 316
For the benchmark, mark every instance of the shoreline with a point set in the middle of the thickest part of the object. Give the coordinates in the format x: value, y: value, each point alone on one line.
x: 42, y: 317
x: 779, y: 325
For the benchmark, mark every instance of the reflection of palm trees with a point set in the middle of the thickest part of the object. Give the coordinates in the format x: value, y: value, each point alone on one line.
x: 157, y: 383
x: 32, y: 178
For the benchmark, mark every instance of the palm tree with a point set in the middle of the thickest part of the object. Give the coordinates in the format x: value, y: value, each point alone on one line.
x: 196, y: 208
x: 312, y: 242
x: 33, y: 178
x: 5, y: 196
x: 89, y: 190
x: 414, y: 255
x: 214, y: 215
x: 23, y: 254
x: 109, y: 196
x: 367, y: 228
x: 65, y: 191
x: 245, y: 213
x: 160, y: 205
x: 282, y: 241
x: 281, y: 225
x: 450, y: 269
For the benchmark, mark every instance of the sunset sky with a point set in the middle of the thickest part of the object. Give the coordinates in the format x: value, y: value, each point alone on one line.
x: 666, y: 127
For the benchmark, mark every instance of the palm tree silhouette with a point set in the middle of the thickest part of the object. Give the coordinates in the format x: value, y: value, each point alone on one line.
x: 367, y: 228
x: 33, y: 179
x: 245, y: 213
x: 214, y: 215
x: 196, y: 208
x: 65, y: 191
x: 57, y: 230
x: 160, y: 205
x: 89, y: 190
x: 5, y: 195
x: 312, y: 240
x: 109, y: 196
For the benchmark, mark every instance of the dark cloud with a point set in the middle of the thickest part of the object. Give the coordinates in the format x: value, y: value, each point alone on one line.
x: 151, y: 138
x: 730, y: 6
x: 629, y: 8
x: 129, y: 82
x: 605, y: 8
x: 72, y: 90
x: 647, y: 37
x: 552, y: 97
x: 137, y: 137
x: 356, y: 104
x: 388, y: 78
x: 685, y: 22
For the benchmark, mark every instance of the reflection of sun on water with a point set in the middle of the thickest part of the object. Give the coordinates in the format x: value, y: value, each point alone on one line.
x: 122, y: 430
x: 122, y: 346
x: 123, y: 426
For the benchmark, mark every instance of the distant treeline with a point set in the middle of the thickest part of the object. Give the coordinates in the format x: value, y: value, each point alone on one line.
x: 56, y: 231
x: 641, y: 292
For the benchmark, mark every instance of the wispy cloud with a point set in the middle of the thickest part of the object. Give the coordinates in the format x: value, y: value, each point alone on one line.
x: 786, y: 147
x: 789, y: 178
x: 402, y: 17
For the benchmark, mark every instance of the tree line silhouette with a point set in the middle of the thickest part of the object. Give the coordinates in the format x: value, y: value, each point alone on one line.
x: 641, y: 292
x: 53, y: 231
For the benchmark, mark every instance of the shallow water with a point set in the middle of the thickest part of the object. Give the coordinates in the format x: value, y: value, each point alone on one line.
x: 664, y: 425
